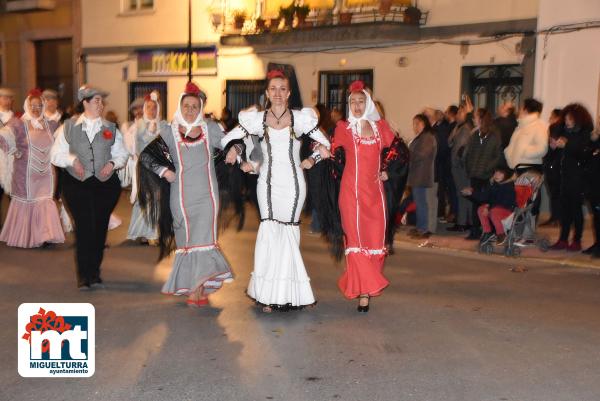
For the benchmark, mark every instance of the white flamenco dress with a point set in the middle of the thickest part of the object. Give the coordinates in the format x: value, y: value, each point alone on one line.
x: 279, y: 278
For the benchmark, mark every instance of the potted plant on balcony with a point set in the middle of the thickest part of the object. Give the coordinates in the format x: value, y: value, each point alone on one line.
x: 302, y: 12
x: 260, y: 24
x: 287, y: 13
x: 274, y: 23
x: 239, y: 17
x: 384, y: 7
x: 345, y: 18
x: 412, y: 15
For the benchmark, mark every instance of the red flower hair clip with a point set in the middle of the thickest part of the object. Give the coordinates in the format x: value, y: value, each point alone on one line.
x: 275, y: 73
x: 35, y: 92
x: 107, y: 134
x: 192, y: 89
x: 357, y: 86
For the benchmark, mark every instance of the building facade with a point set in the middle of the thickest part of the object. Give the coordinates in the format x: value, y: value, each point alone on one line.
x: 485, y: 48
x: 39, y: 46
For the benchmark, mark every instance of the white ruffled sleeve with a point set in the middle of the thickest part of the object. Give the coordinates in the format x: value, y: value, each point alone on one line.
x: 250, y: 123
x: 306, y: 122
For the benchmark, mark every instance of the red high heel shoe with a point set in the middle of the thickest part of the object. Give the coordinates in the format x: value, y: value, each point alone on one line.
x: 197, y: 303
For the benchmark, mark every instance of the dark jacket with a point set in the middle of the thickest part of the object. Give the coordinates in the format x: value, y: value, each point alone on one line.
x: 497, y: 194
x: 483, y: 154
x: 506, y: 126
x: 458, y: 141
x: 573, y: 158
x: 592, y: 173
x: 442, y: 157
x: 553, y: 157
x: 422, y: 156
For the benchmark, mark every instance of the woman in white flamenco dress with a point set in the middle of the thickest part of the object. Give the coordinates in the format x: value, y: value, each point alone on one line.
x: 279, y: 280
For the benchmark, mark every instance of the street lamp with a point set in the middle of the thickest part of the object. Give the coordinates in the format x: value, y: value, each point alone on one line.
x: 189, y: 48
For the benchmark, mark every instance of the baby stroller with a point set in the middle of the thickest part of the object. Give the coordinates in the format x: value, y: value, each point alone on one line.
x: 520, y: 226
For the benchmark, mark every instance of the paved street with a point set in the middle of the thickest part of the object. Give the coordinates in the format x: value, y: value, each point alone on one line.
x: 452, y: 326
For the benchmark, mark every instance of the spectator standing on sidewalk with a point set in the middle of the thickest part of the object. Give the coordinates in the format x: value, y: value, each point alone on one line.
x: 574, y: 141
x: 458, y: 140
x: 593, y: 189
x: 421, y: 171
x: 506, y: 122
x: 552, y: 166
x: 529, y: 142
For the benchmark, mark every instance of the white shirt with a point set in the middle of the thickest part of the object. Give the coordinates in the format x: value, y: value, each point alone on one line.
x: 5, y: 116
x: 61, y: 157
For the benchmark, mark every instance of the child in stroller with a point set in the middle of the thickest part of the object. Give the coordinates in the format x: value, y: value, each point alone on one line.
x: 497, y: 202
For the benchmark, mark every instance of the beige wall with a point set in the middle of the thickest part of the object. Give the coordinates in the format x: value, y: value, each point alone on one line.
x: 454, y: 12
x: 20, y: 30
x: 568, y: 65
x: 106, y: 25
x: 432, y: 77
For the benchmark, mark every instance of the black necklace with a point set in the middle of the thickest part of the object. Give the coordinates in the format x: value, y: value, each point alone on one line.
x: 280, y: 117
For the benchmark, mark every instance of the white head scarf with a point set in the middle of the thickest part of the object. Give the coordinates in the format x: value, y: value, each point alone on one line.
x: 178, y: 120
x: 28, y: 115
x: 371, y: 115
x: 154, y: 98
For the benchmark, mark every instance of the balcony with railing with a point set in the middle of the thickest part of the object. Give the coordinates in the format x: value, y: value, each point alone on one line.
x: 319, y: 23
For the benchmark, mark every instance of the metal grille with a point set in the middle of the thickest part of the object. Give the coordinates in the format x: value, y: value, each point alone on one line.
x: 333, y: 87
x: 492, y: 85
x: 241, y: 94
x: 142, y: 88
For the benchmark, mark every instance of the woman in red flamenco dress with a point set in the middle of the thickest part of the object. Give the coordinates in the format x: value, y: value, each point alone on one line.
x: 362, y: 198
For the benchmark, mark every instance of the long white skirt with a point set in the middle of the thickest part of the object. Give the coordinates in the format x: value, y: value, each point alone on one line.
x: 279, y: 277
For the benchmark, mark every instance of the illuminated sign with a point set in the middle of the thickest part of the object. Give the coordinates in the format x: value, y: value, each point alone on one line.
x: 171, y: 62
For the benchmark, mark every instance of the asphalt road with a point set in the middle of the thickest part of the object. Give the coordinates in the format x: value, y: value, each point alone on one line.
x: 451, y: 326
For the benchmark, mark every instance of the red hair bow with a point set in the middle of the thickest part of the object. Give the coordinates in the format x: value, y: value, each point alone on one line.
x: 35, y: 92
x: 192, y: 89
x: 275, y: 73
x: 357, y: 86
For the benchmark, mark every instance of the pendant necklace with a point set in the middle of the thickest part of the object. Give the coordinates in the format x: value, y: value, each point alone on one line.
x: 280, y: 117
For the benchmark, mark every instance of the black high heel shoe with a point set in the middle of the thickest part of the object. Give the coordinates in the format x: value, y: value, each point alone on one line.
x: 360, y: 308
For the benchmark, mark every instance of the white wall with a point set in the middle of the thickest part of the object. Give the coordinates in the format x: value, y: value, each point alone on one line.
x: 432, y: 77
x: 105, y: 24
x: 568, y: 65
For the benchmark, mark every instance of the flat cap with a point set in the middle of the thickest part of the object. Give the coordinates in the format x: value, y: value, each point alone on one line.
x: 87, y: 91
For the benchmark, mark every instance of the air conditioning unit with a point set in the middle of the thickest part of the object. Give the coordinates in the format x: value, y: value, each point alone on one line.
x: 18, y: 6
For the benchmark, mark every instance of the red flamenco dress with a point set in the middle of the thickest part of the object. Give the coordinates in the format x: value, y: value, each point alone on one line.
x: 362, y: 208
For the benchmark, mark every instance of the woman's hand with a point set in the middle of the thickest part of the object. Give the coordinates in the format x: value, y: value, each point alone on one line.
x: 169, y: 176
x: 324, y: 152
x: 307, y: 164
x: 383, y: 176
x: 78, y: 168
x: 247, y: 167
x: 106, y: 170
x: 231, y: 156
x: 561, y: 142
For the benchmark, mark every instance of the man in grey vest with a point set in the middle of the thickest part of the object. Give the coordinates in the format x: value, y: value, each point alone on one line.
x: 90, y: 149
